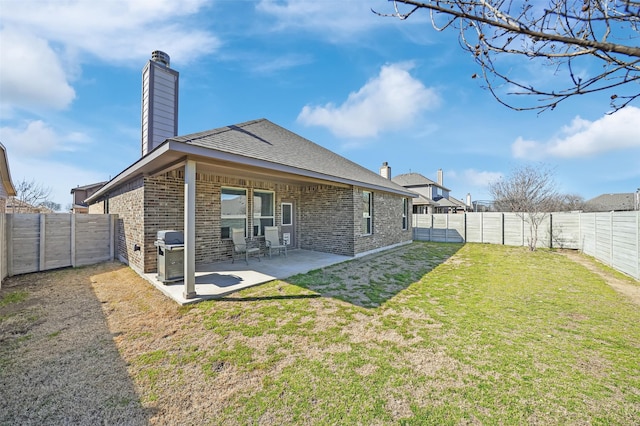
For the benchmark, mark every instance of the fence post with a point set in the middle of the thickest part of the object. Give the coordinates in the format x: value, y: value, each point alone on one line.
x: 550, y: 230
x: 42, y: 241
x: 446, y: 229
x: 9, y: 229
x: 638, y: 244
x: 611, y: 238
x: 112, y: 236
x: 73, y: 240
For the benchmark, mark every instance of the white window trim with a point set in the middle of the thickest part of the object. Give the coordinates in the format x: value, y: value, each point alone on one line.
x: 245, y: 216
x: 368, y: 215
x: 282, y: 215
x: 273, y: 204
x: 405, y: 214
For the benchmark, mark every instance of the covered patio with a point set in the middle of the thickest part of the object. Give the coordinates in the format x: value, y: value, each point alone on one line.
x: 215, y: 280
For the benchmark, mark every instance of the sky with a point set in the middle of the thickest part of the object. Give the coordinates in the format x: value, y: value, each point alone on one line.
x: 372, y: 89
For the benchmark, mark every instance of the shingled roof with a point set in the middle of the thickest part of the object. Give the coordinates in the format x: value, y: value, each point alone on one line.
x: 409, y: 180
x: 258, y: 144
x: 612, y: 202
x: 264, y: 140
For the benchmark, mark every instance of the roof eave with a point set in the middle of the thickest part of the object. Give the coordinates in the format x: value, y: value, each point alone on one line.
x: 182, y: 149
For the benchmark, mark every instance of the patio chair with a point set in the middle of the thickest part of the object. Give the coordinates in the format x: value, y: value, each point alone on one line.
x: 241, y: 246
x: 273, y: 241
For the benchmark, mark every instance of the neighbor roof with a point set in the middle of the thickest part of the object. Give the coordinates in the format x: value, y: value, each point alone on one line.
x: 5, y: 174
x: 415, y: 179
x: 617, y: 202
x: 258, y: 143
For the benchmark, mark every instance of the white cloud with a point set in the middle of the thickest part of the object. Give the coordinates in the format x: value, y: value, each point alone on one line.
x: 479, y: 178
x: 37, y: 139
x: 583, y: 138
x: 31, y: 73
x: 44, y: 43
x: 335, y: 19
x: 58, y: 177
x: 391, y: 100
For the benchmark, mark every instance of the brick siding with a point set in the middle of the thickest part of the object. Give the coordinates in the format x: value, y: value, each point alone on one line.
x: 328, y: 218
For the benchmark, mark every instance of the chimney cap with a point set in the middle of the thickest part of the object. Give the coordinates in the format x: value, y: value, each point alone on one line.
x: 160, y: 57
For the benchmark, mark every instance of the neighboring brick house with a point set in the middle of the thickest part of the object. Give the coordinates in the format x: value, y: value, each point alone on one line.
x: 251, y: 175
x: 432, y: 197
x: 6, y: 187
x: 81, y: 193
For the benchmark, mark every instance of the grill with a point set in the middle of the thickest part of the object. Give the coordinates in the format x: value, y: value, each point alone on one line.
x: 170, y: 254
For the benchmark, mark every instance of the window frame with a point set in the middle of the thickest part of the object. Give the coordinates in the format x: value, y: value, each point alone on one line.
x: 405, y: 213
x: 223, y: 217
x: 257, y: 220
x: 367, y: 214
x: 282, y: 222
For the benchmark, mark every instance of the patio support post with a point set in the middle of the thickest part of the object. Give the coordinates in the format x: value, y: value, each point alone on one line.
x: 189, y: 230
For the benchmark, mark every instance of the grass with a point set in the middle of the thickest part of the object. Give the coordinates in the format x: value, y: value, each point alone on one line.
x: 495, y: 335
x: 425, y: 334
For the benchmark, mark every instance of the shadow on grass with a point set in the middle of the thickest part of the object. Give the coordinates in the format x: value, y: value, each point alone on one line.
x: 265, y: 298
x: 58, y: 360
x: 371, y: 280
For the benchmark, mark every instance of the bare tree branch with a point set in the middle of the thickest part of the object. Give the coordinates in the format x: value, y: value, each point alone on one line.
x: 559, y: 34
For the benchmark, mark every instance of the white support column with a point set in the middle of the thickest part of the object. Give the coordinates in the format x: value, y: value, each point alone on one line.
x: 189, y: 230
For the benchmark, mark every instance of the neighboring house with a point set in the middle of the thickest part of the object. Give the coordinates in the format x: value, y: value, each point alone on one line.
x: 81, y: 193
x: 248, y: 176
x: 7, y: 189
x: 15, y: 205
x: 432, y: 197
x: 627, y: 201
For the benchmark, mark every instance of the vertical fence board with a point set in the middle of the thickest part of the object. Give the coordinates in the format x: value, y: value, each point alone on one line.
x: 36, y: 242
x: 4, y: 271
x: 612, y: 238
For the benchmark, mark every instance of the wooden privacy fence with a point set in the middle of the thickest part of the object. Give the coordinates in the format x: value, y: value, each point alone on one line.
x: 38, y: 242
x: 613, y: 238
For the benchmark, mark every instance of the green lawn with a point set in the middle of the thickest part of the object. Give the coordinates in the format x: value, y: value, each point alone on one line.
x: 429, y: 334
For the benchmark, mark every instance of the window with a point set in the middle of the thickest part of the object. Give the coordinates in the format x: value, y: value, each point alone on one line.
x: 287, y: 214
x: 234, y: 210
x: 367, y: 198
x: 405, y: 214
x: 263, y: 211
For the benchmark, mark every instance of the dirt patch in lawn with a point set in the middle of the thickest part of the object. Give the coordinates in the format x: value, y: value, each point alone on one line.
x: 623, y: 285
x: 99, y: 345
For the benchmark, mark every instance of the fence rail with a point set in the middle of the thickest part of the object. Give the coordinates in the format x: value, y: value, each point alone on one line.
x: 613, y: 238
x: 38, y: 242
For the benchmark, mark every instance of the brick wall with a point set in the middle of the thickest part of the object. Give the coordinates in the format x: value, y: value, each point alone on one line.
x: 327, y: 217
x: 386, y: 222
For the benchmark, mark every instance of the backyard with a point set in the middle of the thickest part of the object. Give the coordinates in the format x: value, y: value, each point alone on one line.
x: 429, y: 333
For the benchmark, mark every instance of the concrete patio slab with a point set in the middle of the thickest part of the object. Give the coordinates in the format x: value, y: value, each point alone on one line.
x: 216, y: 280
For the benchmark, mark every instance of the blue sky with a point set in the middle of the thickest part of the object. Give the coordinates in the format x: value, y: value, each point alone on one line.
x: 372, y: 89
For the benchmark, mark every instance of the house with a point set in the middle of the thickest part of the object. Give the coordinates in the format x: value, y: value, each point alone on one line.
x: 15, y: 205
x: 81, y: 193
x: 7, y: 189
x: 627, y: 201
x: 248, y: 175
x: 432, y: 197
x: 252, y: 175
